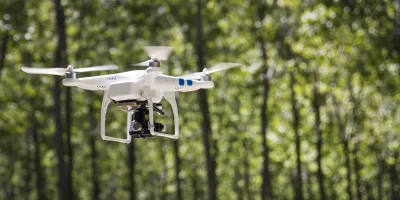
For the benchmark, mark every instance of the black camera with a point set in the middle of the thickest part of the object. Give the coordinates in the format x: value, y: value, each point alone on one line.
x: 139, y: 127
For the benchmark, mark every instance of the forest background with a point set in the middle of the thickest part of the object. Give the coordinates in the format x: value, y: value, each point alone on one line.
x: 312, y: 113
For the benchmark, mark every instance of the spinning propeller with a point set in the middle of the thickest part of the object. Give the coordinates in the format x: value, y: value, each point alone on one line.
x: 156, y: 53
x: 204, y: 75
x: 69, y: 69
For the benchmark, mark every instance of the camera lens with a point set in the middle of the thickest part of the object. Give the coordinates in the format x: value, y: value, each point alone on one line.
x: 135, y: 126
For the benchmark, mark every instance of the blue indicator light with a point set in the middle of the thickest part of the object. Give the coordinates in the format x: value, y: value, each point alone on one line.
x: 189, y: 82
x: 181, y: 82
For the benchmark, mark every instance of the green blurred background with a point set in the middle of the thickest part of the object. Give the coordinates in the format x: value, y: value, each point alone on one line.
x: 312, y: 113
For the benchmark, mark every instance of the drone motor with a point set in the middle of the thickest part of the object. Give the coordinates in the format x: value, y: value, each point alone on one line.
x: 154, y: 63
x: 205, y: 77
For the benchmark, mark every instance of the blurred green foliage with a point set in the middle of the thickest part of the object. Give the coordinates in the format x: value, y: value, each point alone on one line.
x: 352, y: 46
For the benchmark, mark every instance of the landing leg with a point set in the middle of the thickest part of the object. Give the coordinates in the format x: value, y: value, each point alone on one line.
x: 104, y: 106
x: 170, y: 96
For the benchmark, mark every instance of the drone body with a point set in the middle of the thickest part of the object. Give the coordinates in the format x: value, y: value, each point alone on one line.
x: 138, y: 92
x: 129, y: 85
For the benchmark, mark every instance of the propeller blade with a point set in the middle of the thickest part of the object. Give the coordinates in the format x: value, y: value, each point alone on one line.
x: 158, y: 52
x: 196, y: 75
x: 221, y: 66
x: 143, y: 64
x: 215, y: 68
x: 96, y: 68
x: 52, y: 71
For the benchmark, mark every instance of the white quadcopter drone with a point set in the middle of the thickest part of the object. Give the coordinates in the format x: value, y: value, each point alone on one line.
x: 138, y: 92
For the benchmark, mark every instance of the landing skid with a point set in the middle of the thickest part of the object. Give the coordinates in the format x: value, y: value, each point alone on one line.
x: 146, y: 128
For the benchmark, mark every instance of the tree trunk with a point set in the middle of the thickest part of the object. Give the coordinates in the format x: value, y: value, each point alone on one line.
x: 60, y: 60
x: 206, y: 125
x: 394, y: 180
x: 3, y: 50
x: 350, y: 130
x: 93, y: 150
x: 10, y: 195
x: 246, y: 169
x: 357, y: 168
x: 112, y: 189
x: 38, y: 166
x: 237, y: 189
x: 398, y: 19
x: 62, y: 186
x: 370, y: 195
x: 163, y: 173
x: 309, y: 184
x: 316, y: 105
x: 131, y: 167
x: 351, y: 120
x: 27, y: 165
x: 344, y: 136
x: 333, y: 193
x: 381, y: 166
x: 266, y: 186
x: 177, y: 170
x: 195, y: 187
x: 296, y: 118
x: 68, y: 124
x: 348, y: 167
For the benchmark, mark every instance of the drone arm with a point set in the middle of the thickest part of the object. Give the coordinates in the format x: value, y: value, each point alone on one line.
x: 171, y: 99
x: 106, y: 101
